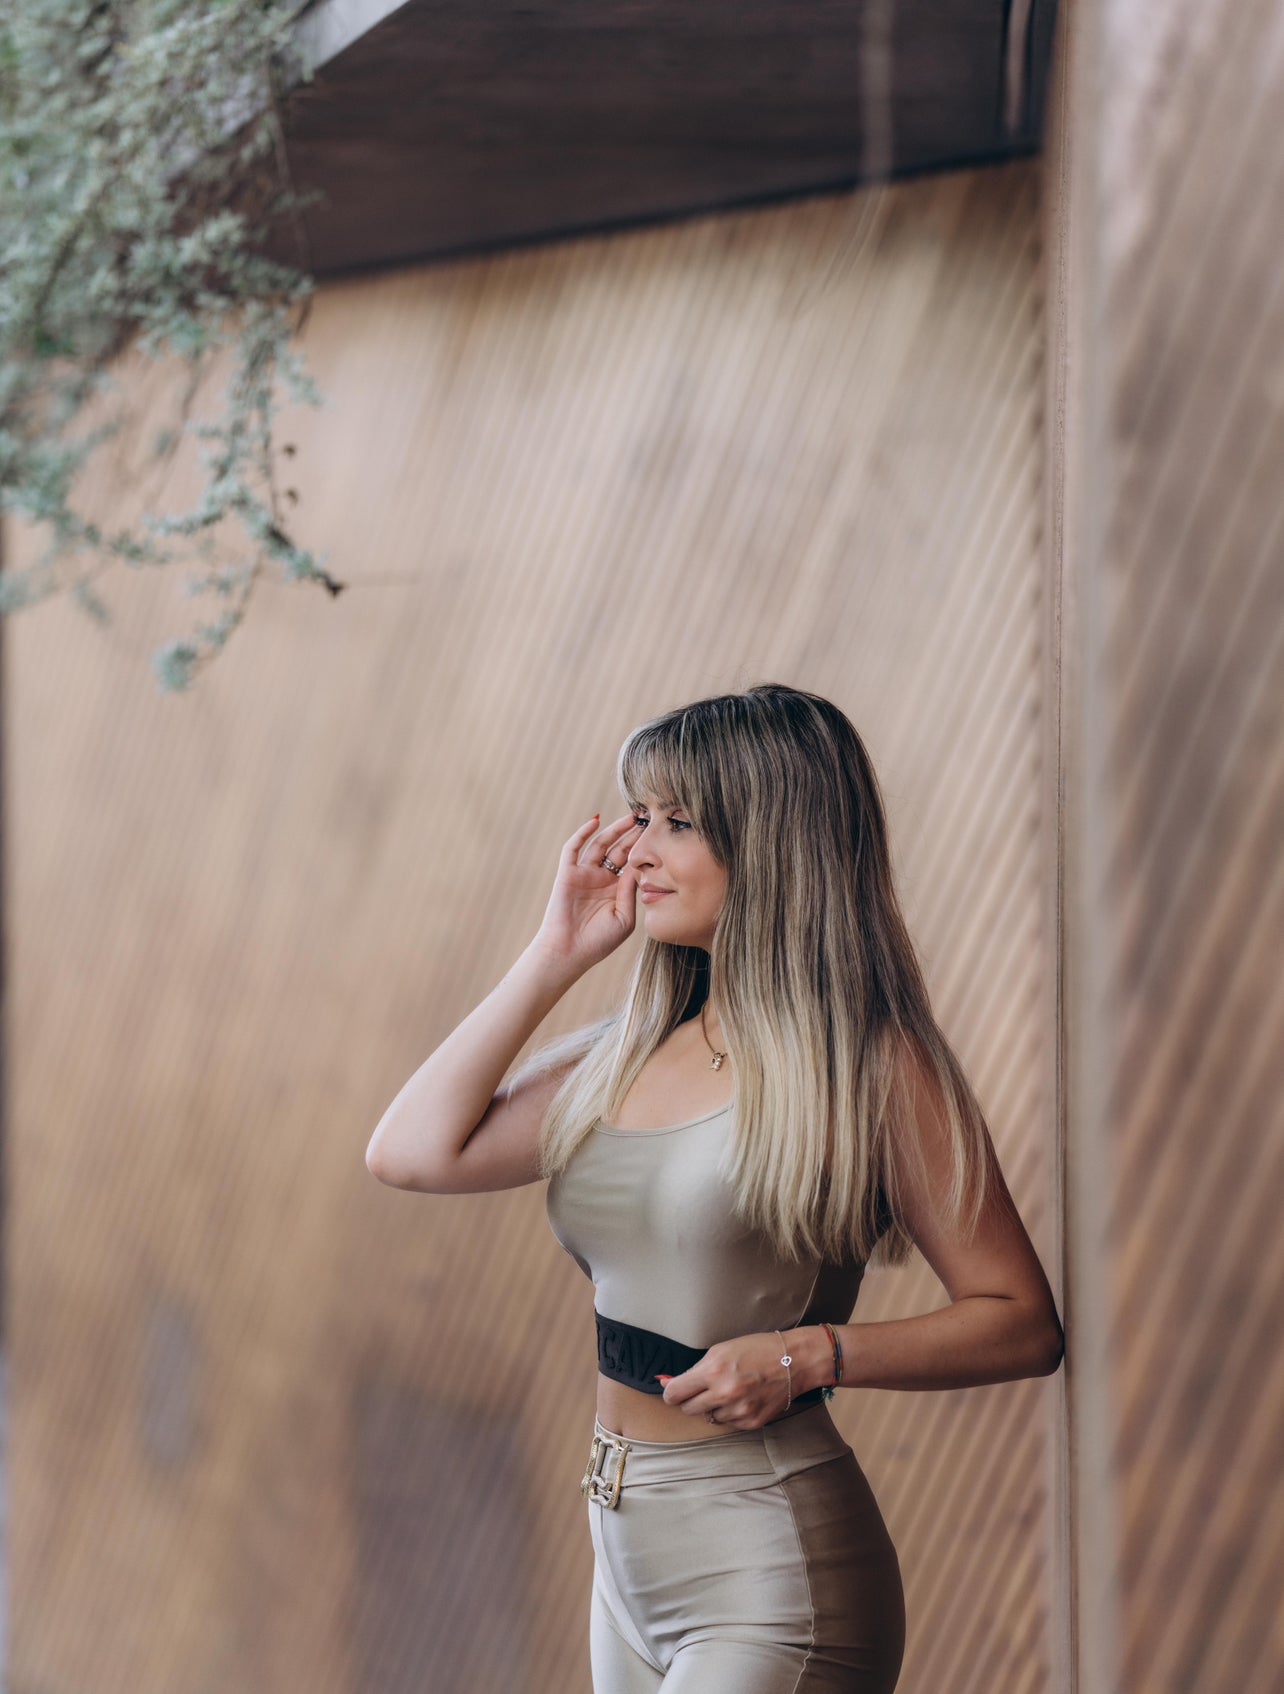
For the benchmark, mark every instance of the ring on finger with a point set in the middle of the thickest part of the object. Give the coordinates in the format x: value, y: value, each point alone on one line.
x: 614, y: 869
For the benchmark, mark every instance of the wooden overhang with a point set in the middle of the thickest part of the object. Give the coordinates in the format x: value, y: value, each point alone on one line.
x: 438, y: 127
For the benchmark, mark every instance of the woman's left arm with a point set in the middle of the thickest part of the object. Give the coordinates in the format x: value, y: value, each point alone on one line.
x: 1001, y: 1322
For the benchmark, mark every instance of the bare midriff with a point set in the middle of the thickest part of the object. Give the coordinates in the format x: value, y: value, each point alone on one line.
x: 646, y: 1417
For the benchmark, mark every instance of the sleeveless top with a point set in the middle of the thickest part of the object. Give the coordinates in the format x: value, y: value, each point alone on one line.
x: 649, y: 1219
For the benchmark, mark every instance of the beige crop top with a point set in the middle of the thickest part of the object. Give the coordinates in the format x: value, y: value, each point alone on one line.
x: 649, y: 1220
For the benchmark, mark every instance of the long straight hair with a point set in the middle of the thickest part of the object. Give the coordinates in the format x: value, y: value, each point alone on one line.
x: 812, y: 969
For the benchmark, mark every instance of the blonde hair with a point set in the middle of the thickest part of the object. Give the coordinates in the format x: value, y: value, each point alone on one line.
x: 815, y: 977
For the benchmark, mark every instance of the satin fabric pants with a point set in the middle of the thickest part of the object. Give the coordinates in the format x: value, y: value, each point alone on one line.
x: 751, y: 1563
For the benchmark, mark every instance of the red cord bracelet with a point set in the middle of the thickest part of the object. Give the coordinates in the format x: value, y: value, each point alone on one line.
x: 837, y: 1350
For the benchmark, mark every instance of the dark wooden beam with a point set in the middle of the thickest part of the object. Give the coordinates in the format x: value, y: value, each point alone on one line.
x: 439, y: 127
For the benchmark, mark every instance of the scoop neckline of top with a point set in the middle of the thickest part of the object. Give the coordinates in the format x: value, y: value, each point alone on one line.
x: 609, y: 1129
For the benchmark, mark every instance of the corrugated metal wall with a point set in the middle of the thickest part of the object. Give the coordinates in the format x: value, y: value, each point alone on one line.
x: 1170, y: 341
x: 275, y: 1427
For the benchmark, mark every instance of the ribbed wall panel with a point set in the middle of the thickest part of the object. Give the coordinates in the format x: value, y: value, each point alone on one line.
x: 264, y: 1411
x: 1175, y: 1136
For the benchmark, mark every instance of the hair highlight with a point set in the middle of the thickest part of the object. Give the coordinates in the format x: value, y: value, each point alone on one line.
x: 824, y: 1008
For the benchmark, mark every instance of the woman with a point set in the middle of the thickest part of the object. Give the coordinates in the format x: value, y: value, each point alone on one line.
x: 773, y: 1106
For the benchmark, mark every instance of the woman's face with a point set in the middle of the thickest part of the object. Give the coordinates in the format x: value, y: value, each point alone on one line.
x: 681, y: 886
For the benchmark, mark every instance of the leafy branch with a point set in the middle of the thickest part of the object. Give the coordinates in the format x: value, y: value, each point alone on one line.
x: 142, y: 165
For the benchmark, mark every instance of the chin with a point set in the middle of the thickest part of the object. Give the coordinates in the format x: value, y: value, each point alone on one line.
x: 676, y: 935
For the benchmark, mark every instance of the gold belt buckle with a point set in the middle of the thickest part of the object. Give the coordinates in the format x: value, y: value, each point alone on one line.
x: 592, y: 1486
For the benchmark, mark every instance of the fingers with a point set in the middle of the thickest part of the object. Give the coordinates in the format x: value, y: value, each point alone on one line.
x: 601, y: 843
x: 571, y: 847
x: 591, y: 846
x: 626, y: 891
x: 586, y: 829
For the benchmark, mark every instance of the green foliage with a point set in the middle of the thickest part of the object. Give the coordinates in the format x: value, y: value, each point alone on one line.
x: 141, y: 166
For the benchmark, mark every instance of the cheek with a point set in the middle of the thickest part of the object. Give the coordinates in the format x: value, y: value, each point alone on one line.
x: 713, y: 882
x: 704, y: 877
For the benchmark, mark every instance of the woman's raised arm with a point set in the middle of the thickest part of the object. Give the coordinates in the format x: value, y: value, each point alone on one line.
x: 451, y: 1129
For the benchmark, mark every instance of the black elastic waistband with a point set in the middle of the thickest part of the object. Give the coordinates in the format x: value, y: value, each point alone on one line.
x: 636, y: 1356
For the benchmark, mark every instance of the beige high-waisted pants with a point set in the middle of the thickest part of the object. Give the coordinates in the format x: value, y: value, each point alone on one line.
x: 751, y: 1563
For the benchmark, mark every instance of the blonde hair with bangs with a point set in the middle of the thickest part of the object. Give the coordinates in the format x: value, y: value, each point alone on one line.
x: 813, y: 972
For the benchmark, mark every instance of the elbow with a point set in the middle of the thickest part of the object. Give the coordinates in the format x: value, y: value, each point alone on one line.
x: 386, y: 1160
x: 407, y: 1175
x: 1035, y: 1344
x: 1050, y: 1348
x: 377, y: 1166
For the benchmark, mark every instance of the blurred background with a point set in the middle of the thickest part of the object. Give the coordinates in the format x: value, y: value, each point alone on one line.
x: 929, y: 356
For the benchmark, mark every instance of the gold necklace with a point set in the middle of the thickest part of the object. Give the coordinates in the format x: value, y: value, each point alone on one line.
x: 715, y: 1063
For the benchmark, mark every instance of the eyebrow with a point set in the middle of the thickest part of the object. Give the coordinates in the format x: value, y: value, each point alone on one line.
x: 660, y: 806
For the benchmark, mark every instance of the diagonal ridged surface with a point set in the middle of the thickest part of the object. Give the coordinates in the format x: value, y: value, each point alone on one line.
x: 274, y: 1425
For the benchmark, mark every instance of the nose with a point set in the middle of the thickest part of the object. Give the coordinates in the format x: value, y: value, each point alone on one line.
x: 642, y: 852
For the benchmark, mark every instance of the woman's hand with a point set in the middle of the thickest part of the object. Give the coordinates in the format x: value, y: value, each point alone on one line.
x: 742, y: 1382
x: 591, y: 909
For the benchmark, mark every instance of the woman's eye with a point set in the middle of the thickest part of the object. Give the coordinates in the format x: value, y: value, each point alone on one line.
x: 674, y: 823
